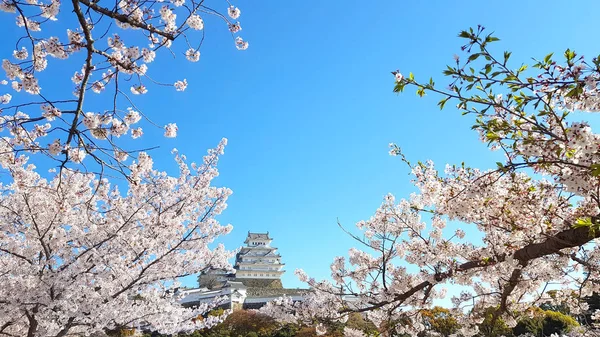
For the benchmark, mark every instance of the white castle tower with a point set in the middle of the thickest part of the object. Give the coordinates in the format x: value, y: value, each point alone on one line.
x: 258, y: 260
x: 256, y: 281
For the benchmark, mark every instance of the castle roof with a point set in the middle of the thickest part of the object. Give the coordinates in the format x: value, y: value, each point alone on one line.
x: 258, y: 249
x: 255, y: 254
x: 213, y: 270
x: 258, y: 236
x: 234, y: 284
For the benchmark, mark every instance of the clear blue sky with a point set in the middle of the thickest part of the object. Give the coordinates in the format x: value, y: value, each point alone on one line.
x: 309, y: 111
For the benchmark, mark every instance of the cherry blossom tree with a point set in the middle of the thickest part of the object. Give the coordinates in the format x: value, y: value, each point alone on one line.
x: 80, y: 253
x: 536, y: 212
x: 77, y: 255
x: 111, y: 47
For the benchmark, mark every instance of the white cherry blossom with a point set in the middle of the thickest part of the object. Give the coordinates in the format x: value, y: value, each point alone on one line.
x: 234, y: 12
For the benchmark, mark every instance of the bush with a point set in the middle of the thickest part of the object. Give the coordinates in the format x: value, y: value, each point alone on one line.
x: 545, y: 323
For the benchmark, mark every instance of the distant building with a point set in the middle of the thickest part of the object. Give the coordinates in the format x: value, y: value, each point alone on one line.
x: 232, y: 295
x: 258, y: 260
x: 256, y: 278
x: 215, y: 278
x: 235, y: 295
x: 257, y: 264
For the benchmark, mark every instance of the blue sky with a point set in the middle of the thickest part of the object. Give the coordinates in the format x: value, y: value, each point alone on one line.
x: 309, y: 111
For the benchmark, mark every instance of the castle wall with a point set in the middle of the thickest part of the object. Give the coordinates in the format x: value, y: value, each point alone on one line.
x: 261, y: 283
x: 256, y: 274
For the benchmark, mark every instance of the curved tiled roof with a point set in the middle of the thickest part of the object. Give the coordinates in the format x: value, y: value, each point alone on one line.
x: 258, y: 236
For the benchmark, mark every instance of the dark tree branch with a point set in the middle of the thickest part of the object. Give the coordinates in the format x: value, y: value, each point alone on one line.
x: 569, y: 238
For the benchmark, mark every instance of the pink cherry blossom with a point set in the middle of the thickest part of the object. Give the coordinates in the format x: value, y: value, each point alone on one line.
x: 171, y: 130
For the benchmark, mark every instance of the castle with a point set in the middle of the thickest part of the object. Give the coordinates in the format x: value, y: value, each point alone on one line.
x: 258, y: 260
x: 255, y: 281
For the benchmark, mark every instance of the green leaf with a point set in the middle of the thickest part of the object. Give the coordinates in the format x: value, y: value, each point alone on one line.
x: 442, y: 103
x: 569, y: 54
x: 595, y: 169
x: 464, y: 34
x: 548, y: 58
x: 474, y: 57
x: 449, y: 71
x: 399, y: 87
x: 583, y: 222
x: 570, y: 153
x: 488, y: 68
x: 575, y: 92
x: 492, y: 136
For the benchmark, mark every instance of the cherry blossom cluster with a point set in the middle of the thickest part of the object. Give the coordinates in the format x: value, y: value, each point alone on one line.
x: 116, y: 67
x: 505, y: 235
x: 508, y: 211
x: 79, y: 255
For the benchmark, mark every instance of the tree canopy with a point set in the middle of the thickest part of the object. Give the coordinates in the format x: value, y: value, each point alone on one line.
x: 80, y: 252
x: 536, y: 211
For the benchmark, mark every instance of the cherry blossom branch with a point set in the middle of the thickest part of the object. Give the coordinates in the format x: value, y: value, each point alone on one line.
x: 125, y: 19
x: 570, y: 238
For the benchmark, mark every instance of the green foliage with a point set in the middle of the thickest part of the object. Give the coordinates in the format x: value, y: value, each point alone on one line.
x: 486, y: 85
x: 287, y: 330
x: 121, y: 332
x: 491, y: 327
x: 440, y: 320
x: 243, y: 322
x: 306, y: 332
x: 334, y: 328
x: 529, y: 325
x: 556, y: 322
x: 253, y: 324
x: 560, y: 307
x: 545, y: 323
x: 592, y: 222
x: 216, y: 312
x: 359, y: 322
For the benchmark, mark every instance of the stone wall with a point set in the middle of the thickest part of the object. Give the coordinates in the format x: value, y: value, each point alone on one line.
x: 260, y: 283
x: 268, y: 292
